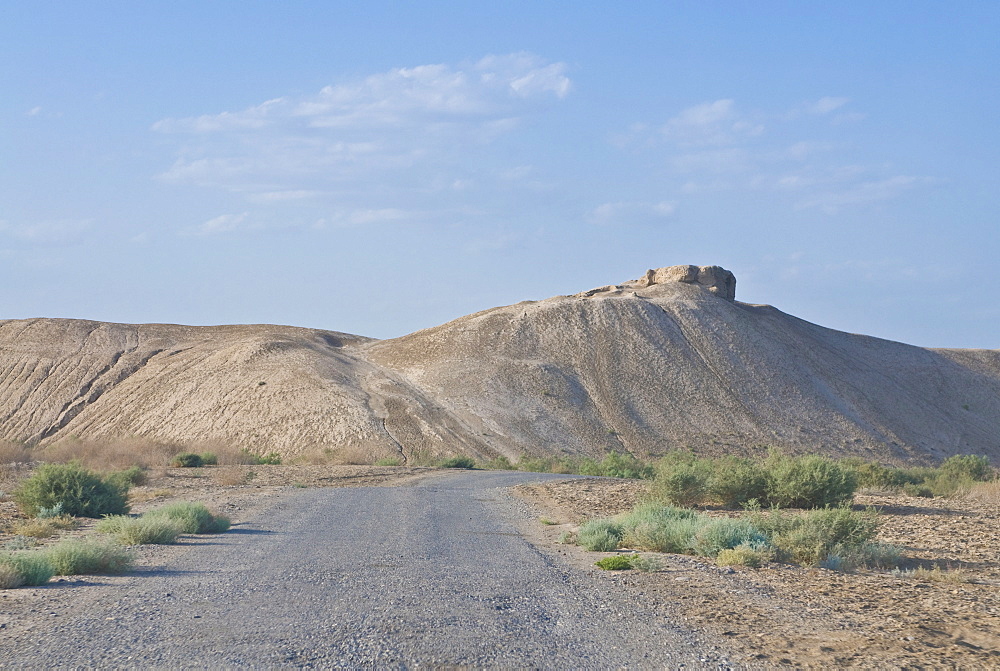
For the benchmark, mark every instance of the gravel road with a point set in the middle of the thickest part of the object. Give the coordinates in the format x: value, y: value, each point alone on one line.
x: 434, y: 574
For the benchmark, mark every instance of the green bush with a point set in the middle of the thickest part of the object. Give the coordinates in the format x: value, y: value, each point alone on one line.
x: 659, y: 528
x: 735, y: 481
x: 9, y: 577
x: 81, y: 492
x: 77, y: 557
x: 187, y: 460
x: 500, y: 463
x: 616, y: 563
x: 269, y: 459
x: 718, y: 534
x: 209, y: 459
x: 616, y: 465
x: 809, y: 481
x: 192, y: 518
x: 389, y: 461
x: 140, y: 530
x: 31, y: 568
x: 967, y: 466
x: 458, y: 462
x: 128, y: 478
x: 600, y: 535
x: 744, y: 555
x: 682, y: 479
x: 810, y: 537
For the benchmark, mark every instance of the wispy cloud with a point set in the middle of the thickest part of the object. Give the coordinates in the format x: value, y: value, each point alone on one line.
x: 715, y: 146
x: 348, y: 135
x: 48, y: 233
x: 631, y: 212
x: 225, y: 223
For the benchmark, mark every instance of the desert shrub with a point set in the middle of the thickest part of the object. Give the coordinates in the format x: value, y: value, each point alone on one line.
x: 247, y: 457
x: 535, y: 464
x: 967, y: 466
x: 192, y: 518
x: 843, y: 557
x: 187, y: 460
x: 458, y: 462
x: 9, y: 577
x: 809, y: 481
x: 81, y: 492
x: 616, y: 562
x: 140, y: 530
x: 127, y: 478
x: 76, y: 557
x: 50, y: 512
x: 682, y: 479
x: 32, y: 568
x: 810, y: 537
x: 716, y: 535
x: 600, y: 535
x: 209, y: 459
x: 744, y: 555
x: 389, y: 461
x: 735, y: 481
x: 616, y: 465
x: 500, y: 463
x: 659, y: 528
x: 646, y: 564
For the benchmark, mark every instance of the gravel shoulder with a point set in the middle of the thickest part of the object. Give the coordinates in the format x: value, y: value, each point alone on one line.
x: 784, y: 615
x: 433, y: 571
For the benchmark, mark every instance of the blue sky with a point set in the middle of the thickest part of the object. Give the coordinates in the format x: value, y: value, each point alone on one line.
x: 382, y: 167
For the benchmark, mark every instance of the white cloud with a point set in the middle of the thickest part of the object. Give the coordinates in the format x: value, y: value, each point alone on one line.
x: 225, y: 223
x: 351, y: 135
x: 826, y: 105
x: 631, y: 212
x: 863, y: 193
x: 715, y: 147
x: 711, y: 123
x: 34, y: 111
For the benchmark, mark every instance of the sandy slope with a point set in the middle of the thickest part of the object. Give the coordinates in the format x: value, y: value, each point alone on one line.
x: 638, y: 368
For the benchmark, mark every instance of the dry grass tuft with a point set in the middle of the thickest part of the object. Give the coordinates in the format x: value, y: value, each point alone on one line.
x: 109, y: 455
x: 42, y: 528
x: 15, y: 453
x: 957, y: 576
x: 985, y: 492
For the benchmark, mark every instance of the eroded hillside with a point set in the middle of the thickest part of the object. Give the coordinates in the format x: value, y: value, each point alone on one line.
x: 670, y: 360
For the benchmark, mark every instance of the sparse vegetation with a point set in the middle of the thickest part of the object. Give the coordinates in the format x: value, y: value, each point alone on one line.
x: 42, y: 527
x: 192, y: 518
x: 187, y: 460
x: 389, y: 461
x: 613, y: 465
x: 76, y: 557
x: 140, y: 530
x: 616, y: 562
x: 956, y: 475
x: 810, y: 481
x: 935, y: 574
x: 458, y: 462
x: 29, y: 568
x: 80, y: 492
x: 835, y: 537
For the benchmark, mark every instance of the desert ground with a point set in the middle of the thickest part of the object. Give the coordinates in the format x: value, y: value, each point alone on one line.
x: 776, y: 616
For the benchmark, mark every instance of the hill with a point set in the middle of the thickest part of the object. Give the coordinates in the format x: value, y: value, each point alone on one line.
x: 670, y: 360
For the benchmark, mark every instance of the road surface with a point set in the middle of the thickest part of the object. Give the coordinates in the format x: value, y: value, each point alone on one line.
x: 434, y: 574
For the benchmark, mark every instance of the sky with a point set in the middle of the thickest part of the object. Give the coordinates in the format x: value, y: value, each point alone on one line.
x: 382, y: 167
